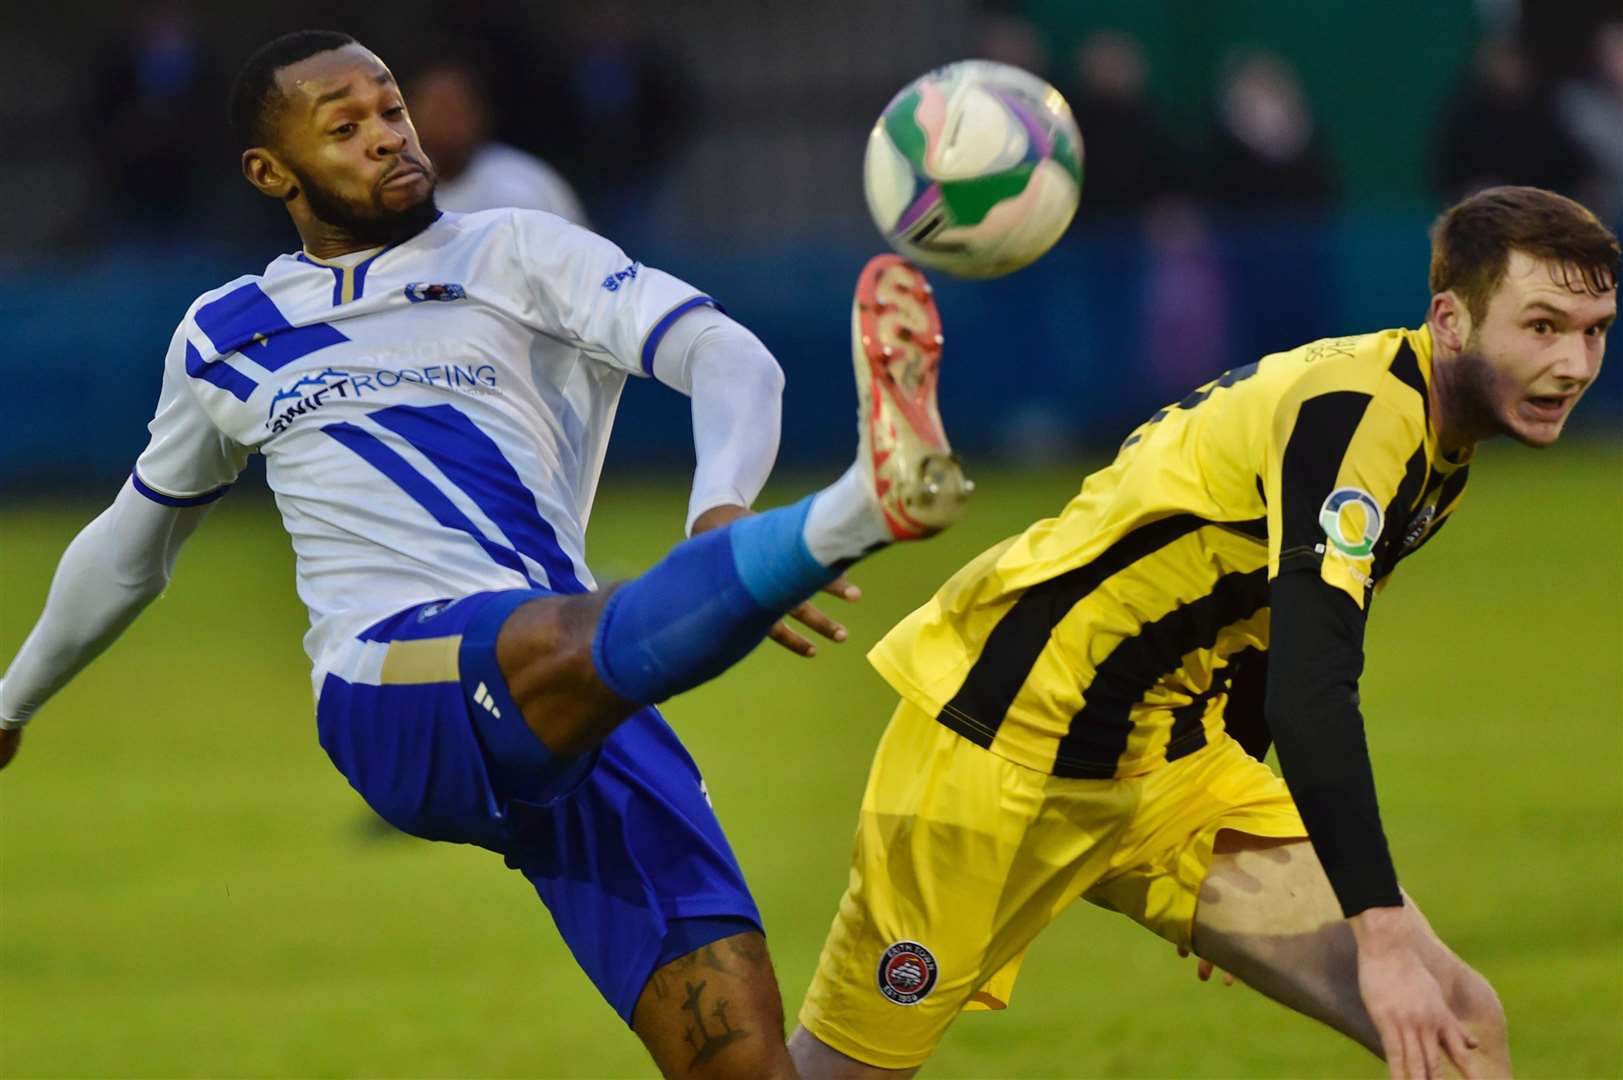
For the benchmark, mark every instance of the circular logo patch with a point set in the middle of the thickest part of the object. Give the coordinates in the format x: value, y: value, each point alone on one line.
x: 907, y: 973
x: 1351, y: 520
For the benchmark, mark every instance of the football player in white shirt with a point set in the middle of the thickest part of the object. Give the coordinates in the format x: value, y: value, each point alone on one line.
x: 433, y: 393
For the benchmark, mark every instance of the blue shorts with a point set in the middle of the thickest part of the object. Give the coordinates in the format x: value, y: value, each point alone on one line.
x: 619, y: 843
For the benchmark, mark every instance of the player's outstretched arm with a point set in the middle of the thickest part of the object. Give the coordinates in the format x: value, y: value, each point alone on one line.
x: 1316, y: 658
x: 736, y: 389
x: 117, y: 565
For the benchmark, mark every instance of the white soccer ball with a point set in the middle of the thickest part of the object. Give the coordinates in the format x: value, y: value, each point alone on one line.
x: 974, y: 168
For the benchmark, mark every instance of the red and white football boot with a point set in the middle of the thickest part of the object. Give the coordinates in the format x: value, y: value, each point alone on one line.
x: 896, y: 349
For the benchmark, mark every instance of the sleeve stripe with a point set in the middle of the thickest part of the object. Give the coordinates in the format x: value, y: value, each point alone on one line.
x: 1406, y: 368
x: 1324, y: 430
x: 219, y: 373
x: 651, y: 345
x: 176, y: 500
x: 1398, y: 511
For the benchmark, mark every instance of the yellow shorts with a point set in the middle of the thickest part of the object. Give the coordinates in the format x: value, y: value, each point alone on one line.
x: 963, y: 857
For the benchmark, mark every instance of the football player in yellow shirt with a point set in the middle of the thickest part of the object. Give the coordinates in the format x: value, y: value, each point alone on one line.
x: 1084, y: 707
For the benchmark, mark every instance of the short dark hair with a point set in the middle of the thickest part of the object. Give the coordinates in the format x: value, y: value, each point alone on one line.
x: 254, y: 93
x: 1472, y: 240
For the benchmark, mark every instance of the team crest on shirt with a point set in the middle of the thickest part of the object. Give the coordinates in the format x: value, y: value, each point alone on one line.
x: 445, y: 292
x: 907, y: 973
x: 1352, y: 521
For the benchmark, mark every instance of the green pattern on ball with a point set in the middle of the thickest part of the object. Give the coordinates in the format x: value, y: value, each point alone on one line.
x: 969, y: 201
x: 1065, y: 153
x: 905, y: 133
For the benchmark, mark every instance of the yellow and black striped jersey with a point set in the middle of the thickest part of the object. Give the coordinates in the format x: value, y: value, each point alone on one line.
x: 1112, y: 638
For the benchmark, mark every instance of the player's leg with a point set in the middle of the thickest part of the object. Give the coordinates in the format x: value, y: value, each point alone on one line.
x: 633, y: 865
x: 1219, y: 861
x: 817, y: 1060
x: 715, y: 1011
x: 579, y: 665
x: 621, y: 843
x: 961, y: 859
x: 1267, y: 914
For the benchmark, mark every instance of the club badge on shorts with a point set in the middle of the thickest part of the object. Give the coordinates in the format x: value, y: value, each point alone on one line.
x: 907, y: 973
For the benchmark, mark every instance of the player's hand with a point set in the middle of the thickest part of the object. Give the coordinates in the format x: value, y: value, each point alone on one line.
x: 1418, y: 1030
x: 816, y: 620
x: 10, y: 739
x: 806, y: 614
x: 1204, y: 969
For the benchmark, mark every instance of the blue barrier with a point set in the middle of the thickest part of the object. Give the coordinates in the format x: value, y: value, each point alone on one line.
x: 1066, y: 355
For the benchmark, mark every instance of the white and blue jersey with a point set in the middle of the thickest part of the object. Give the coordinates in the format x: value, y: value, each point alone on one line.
x: 433, y: 417
x: 433, y: 414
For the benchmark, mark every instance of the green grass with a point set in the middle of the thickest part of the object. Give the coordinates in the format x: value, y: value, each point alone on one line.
x: 185, y: 888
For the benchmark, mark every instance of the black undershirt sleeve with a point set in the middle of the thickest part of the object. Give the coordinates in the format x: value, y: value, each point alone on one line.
x: 1315, y: 657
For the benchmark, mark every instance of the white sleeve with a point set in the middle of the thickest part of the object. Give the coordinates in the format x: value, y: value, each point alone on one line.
x: 116, y: 566
x: 588, y: 292
x: 737, y: 392
x: 188, y: 461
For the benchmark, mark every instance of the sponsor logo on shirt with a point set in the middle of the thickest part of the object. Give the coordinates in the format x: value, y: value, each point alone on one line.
x: 1351, y: 520
x: 1418, y: 525
x: 613, y: 282
x: 311, y: 393
x: 1325, y: 348
x: 907, y: 973
x: 419, y: 291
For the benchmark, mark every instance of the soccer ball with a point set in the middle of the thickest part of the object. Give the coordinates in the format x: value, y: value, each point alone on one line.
x: 974, y: 168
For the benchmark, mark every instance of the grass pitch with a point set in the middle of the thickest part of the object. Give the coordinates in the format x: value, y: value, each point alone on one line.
x: 187, y: 886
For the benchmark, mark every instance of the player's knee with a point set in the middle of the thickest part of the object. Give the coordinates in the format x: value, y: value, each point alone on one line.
x: 816, y: 1060
x: 763, y: 1064
x: 545, y: 654
x: 548, y: 639
x: 1475, y: 1002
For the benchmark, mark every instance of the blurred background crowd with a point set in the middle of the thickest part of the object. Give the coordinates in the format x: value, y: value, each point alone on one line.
x: 1258, y: 174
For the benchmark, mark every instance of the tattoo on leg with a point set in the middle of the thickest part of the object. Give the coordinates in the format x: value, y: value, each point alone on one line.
x: 707, y: 1044
x: 750, y: 948
x: 705, y: 957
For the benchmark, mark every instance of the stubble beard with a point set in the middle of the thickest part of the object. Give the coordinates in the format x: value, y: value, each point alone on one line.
x: 1476, y: 393
x: 380, y: 226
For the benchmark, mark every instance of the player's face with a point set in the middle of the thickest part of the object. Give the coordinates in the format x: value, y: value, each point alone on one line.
x: 1537, y: 349
x: 345, y: 136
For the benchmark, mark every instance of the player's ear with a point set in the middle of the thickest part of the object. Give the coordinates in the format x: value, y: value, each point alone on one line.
x: 262, y: 169
x: 1450, y: 321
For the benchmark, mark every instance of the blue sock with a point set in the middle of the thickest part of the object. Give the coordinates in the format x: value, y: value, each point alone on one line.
x: 704, y: 606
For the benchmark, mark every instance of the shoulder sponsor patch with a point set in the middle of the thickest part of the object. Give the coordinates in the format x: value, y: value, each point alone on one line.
x: 907, y: 973
x: 1352, y: 521
x: 445, y: 292
x: 613, y: 282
